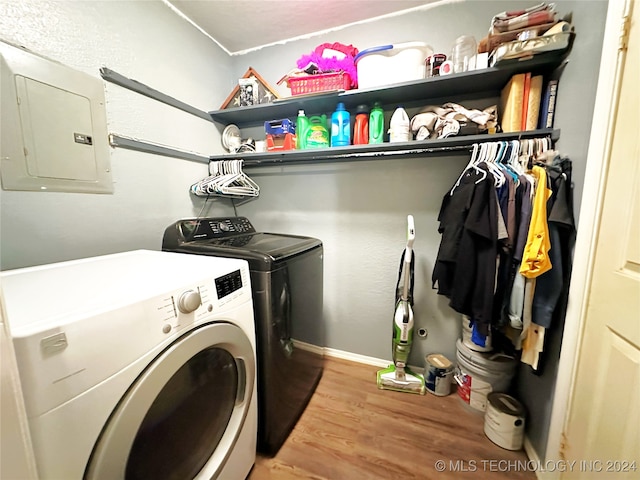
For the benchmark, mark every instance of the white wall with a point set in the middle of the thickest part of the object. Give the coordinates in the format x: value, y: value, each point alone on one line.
x: 147, y: 42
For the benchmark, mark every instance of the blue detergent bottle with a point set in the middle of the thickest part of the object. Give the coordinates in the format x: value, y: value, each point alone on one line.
x: 340, y: 127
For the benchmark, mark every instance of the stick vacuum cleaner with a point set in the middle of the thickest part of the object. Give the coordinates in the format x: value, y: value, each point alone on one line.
x: 398, y: 376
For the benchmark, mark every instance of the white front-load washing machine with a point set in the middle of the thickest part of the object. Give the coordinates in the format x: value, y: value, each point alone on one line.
x: 139, y: 365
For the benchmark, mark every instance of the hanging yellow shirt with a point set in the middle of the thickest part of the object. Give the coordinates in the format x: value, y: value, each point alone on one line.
x: 535, y: 259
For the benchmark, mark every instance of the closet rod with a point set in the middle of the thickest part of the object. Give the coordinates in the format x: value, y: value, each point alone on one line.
x: 135, y: 86
x: 147, y: 147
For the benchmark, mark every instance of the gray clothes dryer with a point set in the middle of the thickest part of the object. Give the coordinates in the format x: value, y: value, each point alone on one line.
x: 286, y: 277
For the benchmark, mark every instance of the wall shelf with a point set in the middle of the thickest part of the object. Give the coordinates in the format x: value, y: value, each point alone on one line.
x: 477, y: 84
x: 381, y: 151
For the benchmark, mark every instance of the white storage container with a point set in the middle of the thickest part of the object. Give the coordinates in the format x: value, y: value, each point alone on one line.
x: 504, y: 421
x: 387, y: 64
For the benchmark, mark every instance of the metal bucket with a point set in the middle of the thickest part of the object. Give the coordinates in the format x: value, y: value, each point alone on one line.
x: 504, y: 421
x: 438, y: 371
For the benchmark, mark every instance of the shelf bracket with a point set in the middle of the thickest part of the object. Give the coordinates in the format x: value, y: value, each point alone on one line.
x: 135, y: 86
x: 147, y: 147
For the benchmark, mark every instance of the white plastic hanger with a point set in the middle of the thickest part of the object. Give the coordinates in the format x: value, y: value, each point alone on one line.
x: 489, y: 160
x: 237, y: 182
x: 226, y: 178
x: 512, y: 161
x: 472, y: 164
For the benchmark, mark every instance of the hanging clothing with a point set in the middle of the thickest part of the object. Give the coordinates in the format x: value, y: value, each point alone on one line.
x: 533, y: 345
x: 554, y: 283
x: 465, y: 267
x: 504, y: 256
x: 561, y: 232
x: 515, y: 300
x: 535, y: 260
x: 504, y: 280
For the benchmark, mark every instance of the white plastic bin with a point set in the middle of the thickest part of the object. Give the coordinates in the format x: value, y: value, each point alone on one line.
x: 387, y: 64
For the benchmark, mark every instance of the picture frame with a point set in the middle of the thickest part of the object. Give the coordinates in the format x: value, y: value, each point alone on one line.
x: 252, y: 89
x: 248, y: 91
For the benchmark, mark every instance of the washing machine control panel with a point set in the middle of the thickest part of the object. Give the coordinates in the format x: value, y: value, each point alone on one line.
x: 212, y: 228
x: 229, y: 283
x: 189, y: 301
x: 192, y: 304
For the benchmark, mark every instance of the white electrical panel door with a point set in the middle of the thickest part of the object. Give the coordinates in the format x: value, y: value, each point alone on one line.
x: 54, y: 120
x: 54, y: 134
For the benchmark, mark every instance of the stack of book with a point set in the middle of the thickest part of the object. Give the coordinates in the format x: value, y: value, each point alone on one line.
x: 524, y: 107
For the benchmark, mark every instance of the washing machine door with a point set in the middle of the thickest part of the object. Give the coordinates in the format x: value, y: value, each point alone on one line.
x: 182, y: 416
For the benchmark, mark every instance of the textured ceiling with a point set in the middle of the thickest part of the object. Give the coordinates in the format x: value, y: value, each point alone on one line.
x: 245, y: 25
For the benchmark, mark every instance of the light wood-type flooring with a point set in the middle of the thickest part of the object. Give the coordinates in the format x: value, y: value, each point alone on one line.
x: 351, y: 430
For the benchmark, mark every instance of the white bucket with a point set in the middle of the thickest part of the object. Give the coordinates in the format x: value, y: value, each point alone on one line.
x: 387, y: 64
x: 504, y: 421
x: 479, y: 374
x: 466, y: 337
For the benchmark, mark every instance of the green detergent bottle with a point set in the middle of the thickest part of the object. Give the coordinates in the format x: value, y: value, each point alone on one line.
x: 317, y: 134
x: 302, y: 125
x: 376, y: 124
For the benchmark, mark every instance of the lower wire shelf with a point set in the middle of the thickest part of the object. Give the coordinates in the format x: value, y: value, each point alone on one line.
x: 381, y: 151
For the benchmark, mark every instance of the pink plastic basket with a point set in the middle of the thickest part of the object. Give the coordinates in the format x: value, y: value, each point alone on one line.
x: 319, y: 83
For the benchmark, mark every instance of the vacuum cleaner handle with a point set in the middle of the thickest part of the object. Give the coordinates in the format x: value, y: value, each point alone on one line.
x: 407, y: 262
x: 408, y: 257
x: 411, y: 236
x: 400, y: 289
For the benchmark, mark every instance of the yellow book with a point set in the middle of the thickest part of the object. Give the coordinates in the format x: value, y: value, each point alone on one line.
x: 512, y: 103
x: 533, y: 108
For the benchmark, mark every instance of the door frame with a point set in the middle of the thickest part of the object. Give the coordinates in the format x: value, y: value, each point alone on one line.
x: 600, y: 142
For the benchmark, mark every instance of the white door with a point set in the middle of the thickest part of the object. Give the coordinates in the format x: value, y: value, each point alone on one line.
x: 603, y: 429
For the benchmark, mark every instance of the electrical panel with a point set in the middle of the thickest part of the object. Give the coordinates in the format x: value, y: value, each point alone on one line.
x: 54, y: 127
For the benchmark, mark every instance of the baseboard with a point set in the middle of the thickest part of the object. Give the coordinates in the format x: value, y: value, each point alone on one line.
x: 352, y: 357
x: 308, y: 347
x: 541, y: 473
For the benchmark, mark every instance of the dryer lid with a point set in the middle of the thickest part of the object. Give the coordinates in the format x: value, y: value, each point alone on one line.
x: 260, y: 247
x: 235, y: 238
